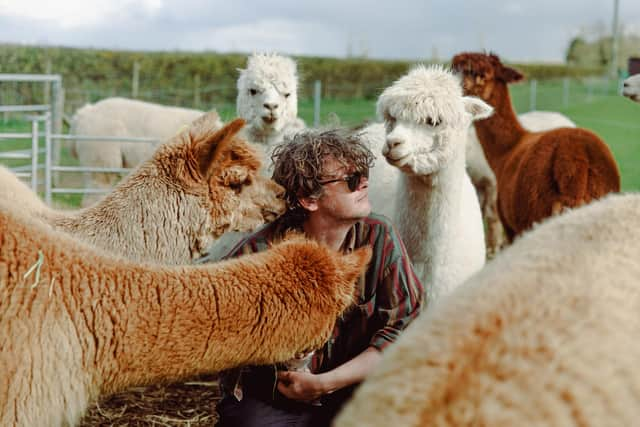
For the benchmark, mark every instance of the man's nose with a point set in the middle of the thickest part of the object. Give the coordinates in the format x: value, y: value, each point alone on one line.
x: 364, y: 183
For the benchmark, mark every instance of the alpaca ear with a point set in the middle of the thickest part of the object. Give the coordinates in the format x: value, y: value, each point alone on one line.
x: 510, y: 75
x: 208, y: 151
x: 477, y: 107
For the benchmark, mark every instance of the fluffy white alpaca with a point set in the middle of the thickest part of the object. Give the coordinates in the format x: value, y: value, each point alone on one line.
x: 124, y: 118
x: 631, y: 88
x: 17, y: 193
x: 484, y: 180
x: 545, y: 335
x: 419, y: 179
x: 268, y: 99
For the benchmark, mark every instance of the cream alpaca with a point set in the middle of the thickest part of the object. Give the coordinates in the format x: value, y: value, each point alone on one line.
x: 124, y: 118
x: 200, y: 184
x: 76, y: 323
x: 421, y: 183
x: 268, y: 99
x: 484, y: 180
x: 631, y: 88
x: 545, y: 335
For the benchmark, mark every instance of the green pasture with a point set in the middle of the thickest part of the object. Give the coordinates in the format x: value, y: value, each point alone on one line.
x: 612, y: 117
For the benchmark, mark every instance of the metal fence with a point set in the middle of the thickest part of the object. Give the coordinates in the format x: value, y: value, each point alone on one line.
x: 46, y: 135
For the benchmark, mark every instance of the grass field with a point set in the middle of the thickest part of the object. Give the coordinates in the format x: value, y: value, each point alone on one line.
x: 612, y: 117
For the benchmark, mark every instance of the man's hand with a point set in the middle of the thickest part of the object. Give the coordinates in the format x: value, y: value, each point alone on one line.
x: 302, y: 386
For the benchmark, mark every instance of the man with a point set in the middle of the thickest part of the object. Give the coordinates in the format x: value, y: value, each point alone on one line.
x: 325, y: 178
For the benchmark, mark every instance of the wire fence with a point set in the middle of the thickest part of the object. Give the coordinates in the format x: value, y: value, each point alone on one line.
x: 29, y: 137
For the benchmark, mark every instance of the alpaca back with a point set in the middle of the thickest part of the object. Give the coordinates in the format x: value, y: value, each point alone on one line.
x: 543, y: 335
x: 125, y: 118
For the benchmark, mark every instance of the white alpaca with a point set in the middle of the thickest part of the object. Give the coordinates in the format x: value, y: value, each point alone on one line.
x: 16, y: 193
x: 631, y: 88
x: 419, y: 179
x: 545, y: 335
x: 121, y: 117
x: 484, y: 180
x: 200, y: 184
x: 268, y: 99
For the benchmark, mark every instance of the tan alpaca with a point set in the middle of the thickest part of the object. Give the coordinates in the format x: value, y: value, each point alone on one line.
x: 76, y: 323
x: 545, y: 335
x: 200, y: 184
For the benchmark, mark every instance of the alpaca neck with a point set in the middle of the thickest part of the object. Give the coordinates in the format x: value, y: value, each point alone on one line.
x: 500, y: 132
x: 185, y: 322
x: 430, y: 209
x: 130, y: 222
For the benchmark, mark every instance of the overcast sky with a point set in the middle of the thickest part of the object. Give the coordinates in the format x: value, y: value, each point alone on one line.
x: 537, y: 30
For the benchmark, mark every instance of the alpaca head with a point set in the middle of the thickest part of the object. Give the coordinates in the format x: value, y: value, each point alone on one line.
x: 267, y: 93
x: 482, y: 72
x: 222, y: 172
x: 426, y: 117
x: 631, y: 88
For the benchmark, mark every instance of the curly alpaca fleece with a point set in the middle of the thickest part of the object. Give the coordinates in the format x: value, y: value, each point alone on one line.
x: 545, y: 335
x: 77, y: 323
x: 201, y: 183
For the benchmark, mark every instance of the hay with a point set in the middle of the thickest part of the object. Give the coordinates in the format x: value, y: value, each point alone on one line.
x: 190, y: 403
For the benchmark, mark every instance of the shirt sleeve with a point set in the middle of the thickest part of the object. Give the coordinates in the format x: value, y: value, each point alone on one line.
x: 399, y: 292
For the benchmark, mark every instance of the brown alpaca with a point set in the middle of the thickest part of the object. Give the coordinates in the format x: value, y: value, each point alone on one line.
x: 538, y: 173
x: 198, y: 185
x: 77, y: 323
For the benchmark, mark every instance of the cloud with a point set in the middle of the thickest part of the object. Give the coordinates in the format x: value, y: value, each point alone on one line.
x: 402, y: 29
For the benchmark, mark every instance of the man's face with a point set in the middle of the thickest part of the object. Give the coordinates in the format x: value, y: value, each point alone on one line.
x: 338, y: 201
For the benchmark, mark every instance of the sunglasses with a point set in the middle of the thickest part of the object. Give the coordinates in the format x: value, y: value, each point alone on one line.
x: 352, y: 180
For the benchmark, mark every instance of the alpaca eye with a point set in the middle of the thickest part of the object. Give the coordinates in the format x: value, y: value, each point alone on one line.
x: 253, y: 92
x: 236, y: 187
x: 286, y: 95
x: 431, y: 121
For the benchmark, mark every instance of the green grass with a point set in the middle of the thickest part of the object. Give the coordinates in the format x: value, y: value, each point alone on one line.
x: 614, y: 118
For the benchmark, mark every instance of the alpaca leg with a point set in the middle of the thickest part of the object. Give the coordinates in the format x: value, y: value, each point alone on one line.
x: 494, y: 234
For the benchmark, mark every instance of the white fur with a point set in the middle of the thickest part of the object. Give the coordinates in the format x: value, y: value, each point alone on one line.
x: 545, y: 335
x: 419, y: 179
x: 271, y: 76
x: 484, y: 180
x: 631, y: 88
x: 268, y: 99
x: 125, y: 118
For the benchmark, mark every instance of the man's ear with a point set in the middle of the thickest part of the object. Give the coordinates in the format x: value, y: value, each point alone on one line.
x: 309, y: 203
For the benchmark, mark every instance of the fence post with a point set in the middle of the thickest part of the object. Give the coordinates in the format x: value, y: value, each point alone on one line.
x: 317, y: 87
x: 532, y: 95
x: 47, y: 158
x: 565, y: 92
x: 135, y: 80
x: 196, y: 91
x: 47, y: 84
x: 57, y: 111
x: 34, y: 153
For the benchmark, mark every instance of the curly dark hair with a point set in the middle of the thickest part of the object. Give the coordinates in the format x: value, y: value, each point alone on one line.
x: 298, y: 162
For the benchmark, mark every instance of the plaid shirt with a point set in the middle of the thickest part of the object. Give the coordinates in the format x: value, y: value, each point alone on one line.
x: 389, y: 295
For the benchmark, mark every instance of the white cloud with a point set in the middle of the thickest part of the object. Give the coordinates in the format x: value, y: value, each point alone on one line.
x: 74, y: 14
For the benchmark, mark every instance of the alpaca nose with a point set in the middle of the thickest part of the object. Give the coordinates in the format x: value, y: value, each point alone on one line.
x: 270, y: 105
x: 393, y: 143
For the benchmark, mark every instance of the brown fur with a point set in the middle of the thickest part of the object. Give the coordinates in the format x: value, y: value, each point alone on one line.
x: 82, y: 323
x: 534, y: 170
x: 201, y: 183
